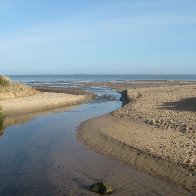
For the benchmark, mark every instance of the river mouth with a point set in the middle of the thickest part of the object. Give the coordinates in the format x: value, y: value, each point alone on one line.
x: 40, y: 155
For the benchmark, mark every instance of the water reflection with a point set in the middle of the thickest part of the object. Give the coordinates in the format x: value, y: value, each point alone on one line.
x: 104, y: 95
x: 1, y: 127
x: 9, y: 121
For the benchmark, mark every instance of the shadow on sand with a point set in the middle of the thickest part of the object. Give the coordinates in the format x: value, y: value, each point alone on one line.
x: 188, y: 104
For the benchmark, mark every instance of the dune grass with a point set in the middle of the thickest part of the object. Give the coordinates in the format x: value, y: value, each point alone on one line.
x: 10, y: 89
x: 4, y: 82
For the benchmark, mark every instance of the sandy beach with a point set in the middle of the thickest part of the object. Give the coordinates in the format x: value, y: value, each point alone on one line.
x: 39, y: 102
x: 17, y: 98
x: 154, y: 132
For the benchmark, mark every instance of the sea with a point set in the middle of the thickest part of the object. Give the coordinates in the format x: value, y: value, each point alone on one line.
x: 64, y: 80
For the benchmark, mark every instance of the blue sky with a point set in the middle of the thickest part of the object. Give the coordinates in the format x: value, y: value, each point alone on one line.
x: 98, y: 36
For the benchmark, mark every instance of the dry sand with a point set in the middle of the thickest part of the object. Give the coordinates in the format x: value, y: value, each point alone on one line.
x: 155, y: 132
x: 17, y: 98
x: 170, y: 114
x: 39, y: 102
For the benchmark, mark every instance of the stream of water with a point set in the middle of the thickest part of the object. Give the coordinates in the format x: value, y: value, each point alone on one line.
x: 40, y: 155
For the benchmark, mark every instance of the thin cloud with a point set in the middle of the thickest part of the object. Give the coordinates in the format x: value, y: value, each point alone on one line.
x: 102, y: 23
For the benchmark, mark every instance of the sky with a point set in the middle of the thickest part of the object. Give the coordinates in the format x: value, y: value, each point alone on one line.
x: 97, y: 37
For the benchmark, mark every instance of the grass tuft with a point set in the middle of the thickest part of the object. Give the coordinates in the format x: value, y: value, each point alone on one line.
x: 4, y: 81
x: 10, y: 89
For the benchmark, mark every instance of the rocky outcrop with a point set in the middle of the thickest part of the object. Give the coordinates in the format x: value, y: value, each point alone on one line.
x: 102, y: 188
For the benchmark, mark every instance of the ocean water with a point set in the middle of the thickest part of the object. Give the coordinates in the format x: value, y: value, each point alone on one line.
x: 66, y: 79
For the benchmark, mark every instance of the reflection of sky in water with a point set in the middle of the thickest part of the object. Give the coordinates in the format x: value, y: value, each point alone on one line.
x: 1, y: 127
x: 104, y: 94
x: 40, y: 153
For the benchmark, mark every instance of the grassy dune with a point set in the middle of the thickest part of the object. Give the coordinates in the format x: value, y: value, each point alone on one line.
x: 10, y: 89
x: 16, y: 98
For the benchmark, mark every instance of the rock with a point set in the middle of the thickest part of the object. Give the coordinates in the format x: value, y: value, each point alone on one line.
x: 151, y: 122
x: 101, y: 187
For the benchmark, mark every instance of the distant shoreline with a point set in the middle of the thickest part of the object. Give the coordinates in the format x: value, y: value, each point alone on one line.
x: 77, y: 78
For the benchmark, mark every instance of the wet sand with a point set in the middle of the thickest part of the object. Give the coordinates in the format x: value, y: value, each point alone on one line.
x: 124, y: 85
x: 154, y: 132
x: 71, y: 90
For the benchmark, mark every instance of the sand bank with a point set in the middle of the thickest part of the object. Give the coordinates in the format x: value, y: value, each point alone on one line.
x: 39, y: 102
x: 131, y: 84
x: 17, y: 98
x: 70, y: 90
x: 155, y: 132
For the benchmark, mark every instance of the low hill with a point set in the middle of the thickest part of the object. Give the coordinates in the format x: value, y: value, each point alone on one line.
x: 10, y: 89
